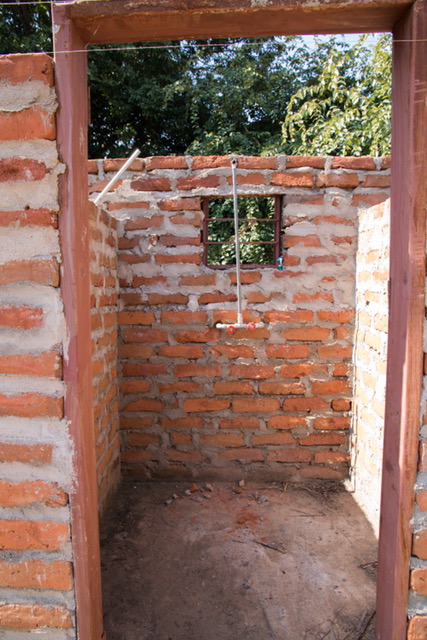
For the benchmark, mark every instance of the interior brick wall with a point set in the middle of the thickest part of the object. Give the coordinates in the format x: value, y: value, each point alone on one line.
x: 370, y: 357
x: 274, y: 403
x: 36, y: 575
x: 104, y: 299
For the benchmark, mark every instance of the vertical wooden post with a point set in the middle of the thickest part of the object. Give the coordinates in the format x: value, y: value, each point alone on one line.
x: 405, y: 345
x: 72, y: 122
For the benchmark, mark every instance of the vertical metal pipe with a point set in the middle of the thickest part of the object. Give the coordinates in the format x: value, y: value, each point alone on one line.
x: 236, y: 240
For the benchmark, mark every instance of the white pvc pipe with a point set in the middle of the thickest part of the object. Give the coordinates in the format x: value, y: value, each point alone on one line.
x: 117, y: 176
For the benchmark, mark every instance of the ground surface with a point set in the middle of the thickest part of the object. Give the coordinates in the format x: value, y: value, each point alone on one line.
x: 223, y: 562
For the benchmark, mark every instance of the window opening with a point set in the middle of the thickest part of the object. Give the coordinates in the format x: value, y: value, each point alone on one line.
x: 259, y: 231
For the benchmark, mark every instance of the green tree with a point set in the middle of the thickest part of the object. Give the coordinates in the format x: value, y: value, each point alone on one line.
x: 347, y: 110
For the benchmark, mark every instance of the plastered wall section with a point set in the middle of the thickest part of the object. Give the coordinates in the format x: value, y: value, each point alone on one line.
x: 370, y: 357
x: 104, y: 299
x: 36, y: 580
x: 274, y: 403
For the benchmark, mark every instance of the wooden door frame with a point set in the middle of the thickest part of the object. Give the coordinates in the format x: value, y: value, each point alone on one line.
x: 77, y: 24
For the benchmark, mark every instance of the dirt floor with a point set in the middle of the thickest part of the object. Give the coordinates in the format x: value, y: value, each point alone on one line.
x: 230, y: 562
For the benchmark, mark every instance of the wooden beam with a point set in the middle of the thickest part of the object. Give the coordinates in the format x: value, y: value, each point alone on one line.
x: 72, y: 121
x: 405, y: 345
x: 112, y: 21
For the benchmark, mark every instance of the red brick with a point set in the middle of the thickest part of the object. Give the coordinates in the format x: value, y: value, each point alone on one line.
x: 138, y: 456
x: 29, y: 218
x: 183, y: 317
x: 177, y: 258
x: 282, y: 388
x: 167, y: 298
x: 135, y: 439
x: 21, y: 317
x: 135, y: 351
x: 182, y: 385
x: 324, y: 473
x: 192, y: 405
x: 331, y: 457
x: 136, y: 423
x: 242, y: 455
x: 188, y: 422
x: 26, y: 453
x: 288, y: 351
x: 32, y: 616
x: 289, y: 455
x: 195, y: 182
x: 247, y: 277
x: 239, y: 423
x: 23, y: 534
x: 189, y: 351
x: 257, y: 162
x: 31, y: 405
x: 249, y: 405
x: 307, y: 334
x: 295, y: 179
x: 138, y: 281
x: 419, y: 548
x: 144, y: 369
x: 340, y: 180
x: 323, y: 439
x: 334, y: 219
x: 377, y: 181
x: 129, y: 243
x: 334, y: 351
x: 145, y: 404
x: 36, y: 574
x: 22, y: 170
x: 300, y: 370
x: 304, y: 404
x: 130, y: 258
x: 216, y: 296
x: 28, y: 124
x: 47, y: 364
x: 180, y: 204
x: 205, y: 280
x: 144, y: 335
x: 369, y: 199
x: 250, y: 178
x: 232, y: 351
x: 230, y: 316
x: 252, y: 371
x: 223, y: 440
x: 191, y: 369
x: 341, y: 369
x: 272, y: 439
x: 115, y: 164
x: 334, y: 422
x: 288, y: 316
x: 229, y: 387
x: 134, y: 386
x: 303, y: 241
x: 211, y: 162
x: 343, y: 316
x: 421, y: 498
x: 151, y: 184
x: 19, y: 68
x: 419, y: 581
x: 329, y: 387
x: 325, y: 259
x: 314, y: 162
x: 166, y: 162
x: 181, y: 438
x: 417, y: 629
x: 136, y: 317
x: 27, y: 493
x: 364, y: 163
x: 286, y: 422
x: 144, y: 223
x: 113, y: 206
x: 178, y: 241
x: 208, y: 335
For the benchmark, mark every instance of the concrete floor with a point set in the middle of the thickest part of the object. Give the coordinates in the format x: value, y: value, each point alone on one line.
x: 230, y: 562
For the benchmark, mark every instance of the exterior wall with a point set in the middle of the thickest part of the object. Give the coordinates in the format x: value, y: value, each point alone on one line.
x: 104, y: 294
x: 274, y: 403
x: 370, y: 357
x: 36, y: 577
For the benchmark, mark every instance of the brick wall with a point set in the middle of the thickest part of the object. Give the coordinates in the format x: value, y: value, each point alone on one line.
x: 104, y: 293
x: 370, y: 357
x: 36, y: 580
x: 275, y: 403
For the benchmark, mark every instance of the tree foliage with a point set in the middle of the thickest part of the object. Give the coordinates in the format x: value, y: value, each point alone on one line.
x: 273, y: 95
x: 347, y: 111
